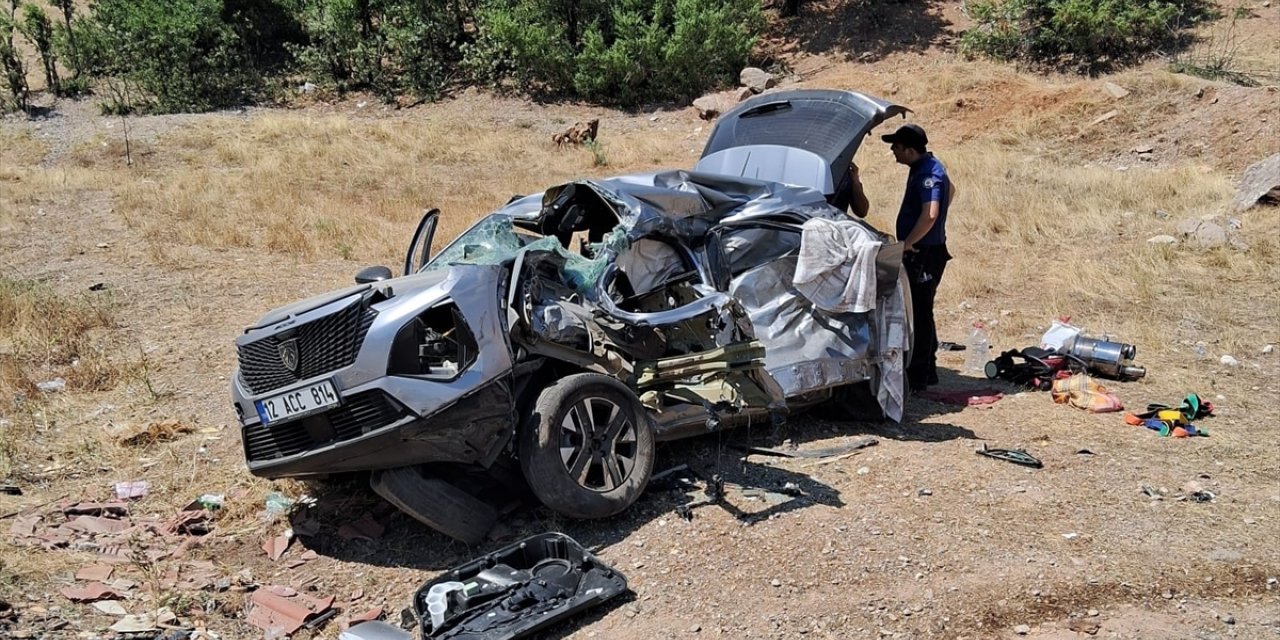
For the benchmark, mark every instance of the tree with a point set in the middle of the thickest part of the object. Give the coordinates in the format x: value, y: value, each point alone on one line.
x: 15, y: 73
x: 68, y: 9
x: 173, y: 55
x: 36, y: 27
x: 388, y: 46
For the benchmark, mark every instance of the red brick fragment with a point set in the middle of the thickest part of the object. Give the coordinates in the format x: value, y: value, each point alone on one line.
x: 279, y: 614
x: 92, y: 592
x: 95, y: 573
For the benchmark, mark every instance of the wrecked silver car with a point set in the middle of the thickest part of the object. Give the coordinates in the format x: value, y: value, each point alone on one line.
x: 564, y: 334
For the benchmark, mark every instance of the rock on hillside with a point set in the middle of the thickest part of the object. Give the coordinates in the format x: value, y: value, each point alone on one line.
x: 1260, y: 185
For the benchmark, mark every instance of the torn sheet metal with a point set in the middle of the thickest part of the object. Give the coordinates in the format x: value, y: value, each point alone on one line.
x: 809, y: 346
x: 824, y: 452
x: 893, y: 330
x: 807, y: 349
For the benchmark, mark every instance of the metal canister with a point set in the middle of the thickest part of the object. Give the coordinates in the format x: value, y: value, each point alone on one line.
x: 1108, y: 358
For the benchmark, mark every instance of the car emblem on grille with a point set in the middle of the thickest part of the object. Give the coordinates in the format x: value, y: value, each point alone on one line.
x: 289, y: 354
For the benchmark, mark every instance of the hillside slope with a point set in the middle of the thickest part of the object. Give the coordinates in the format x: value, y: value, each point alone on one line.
x: 155, y: 250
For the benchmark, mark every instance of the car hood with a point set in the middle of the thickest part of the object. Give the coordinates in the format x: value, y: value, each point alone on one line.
x: 401, y: 286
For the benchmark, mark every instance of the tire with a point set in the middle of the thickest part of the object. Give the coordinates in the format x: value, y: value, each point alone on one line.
x: 857, y: 402
x: 435, y: 503
x: 573, y: 461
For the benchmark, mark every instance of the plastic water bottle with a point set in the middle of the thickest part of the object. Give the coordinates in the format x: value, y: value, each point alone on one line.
x: 977, y: 347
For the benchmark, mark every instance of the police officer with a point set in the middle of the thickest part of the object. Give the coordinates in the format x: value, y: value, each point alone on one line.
x: 922, y: 228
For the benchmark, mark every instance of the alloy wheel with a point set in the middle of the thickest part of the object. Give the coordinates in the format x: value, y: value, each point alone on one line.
x: 598, y: 444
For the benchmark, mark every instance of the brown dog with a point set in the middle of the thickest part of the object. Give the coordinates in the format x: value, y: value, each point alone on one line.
x: 579, y: 133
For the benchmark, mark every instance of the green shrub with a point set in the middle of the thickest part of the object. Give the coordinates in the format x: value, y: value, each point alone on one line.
x: 191, y: 55
x: 627, y: 70
x: 166, y: 55
x: 628, y: 52
x: 15, y: 72
x: 1084, y: 35
x: 266, y: 28
x: 388, y: 46
x: 520, y: 47
x: 709, y: 45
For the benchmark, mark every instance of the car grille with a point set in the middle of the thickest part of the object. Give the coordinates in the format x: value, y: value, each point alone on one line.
x: 358, y: 415
x: 326, y: 344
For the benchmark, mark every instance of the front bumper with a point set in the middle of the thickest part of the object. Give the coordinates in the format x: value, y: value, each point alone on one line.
x: 372, y: 430
x: 383, y: 420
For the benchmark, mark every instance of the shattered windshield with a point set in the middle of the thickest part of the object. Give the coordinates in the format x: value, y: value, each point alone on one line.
x: 491, y: 241
x: 494, y: 240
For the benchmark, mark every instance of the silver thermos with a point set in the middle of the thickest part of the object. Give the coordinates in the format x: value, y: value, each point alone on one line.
x: 1112, y: 359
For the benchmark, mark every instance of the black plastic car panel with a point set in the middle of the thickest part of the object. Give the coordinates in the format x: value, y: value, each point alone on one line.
x: 515, y: 591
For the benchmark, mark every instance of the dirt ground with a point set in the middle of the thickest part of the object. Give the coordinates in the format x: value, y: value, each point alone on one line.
x: 915, y: 537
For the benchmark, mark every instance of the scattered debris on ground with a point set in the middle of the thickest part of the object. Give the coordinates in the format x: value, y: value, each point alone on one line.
x: 1016, y: 456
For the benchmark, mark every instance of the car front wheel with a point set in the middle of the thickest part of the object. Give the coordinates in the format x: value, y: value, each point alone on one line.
x: 587, y: 449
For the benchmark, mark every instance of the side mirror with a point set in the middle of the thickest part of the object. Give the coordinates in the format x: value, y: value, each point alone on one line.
x: 420, y: 247
x: 373, y: 274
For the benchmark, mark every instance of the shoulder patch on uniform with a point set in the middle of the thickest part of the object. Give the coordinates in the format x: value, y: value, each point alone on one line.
x: 930, y: 182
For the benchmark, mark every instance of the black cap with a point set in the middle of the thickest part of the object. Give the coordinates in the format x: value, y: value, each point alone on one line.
x: 910, y: 135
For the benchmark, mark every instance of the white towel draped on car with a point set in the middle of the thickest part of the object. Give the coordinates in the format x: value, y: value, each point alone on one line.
x: 836, y: 269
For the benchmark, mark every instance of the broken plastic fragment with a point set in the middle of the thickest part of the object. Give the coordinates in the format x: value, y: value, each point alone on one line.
x: 438, y: 601
x: 135, y: 624
x: 277, y: 504
x: 130, y: 489
x: 111, y: 607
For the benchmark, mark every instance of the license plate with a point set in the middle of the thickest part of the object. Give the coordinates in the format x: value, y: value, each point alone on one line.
x: 297, y: 402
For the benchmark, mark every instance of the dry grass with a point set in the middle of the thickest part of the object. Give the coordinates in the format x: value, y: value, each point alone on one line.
x: 341, y: 187
x: 45, y: 333
x: 1074, y: 240
x: 1036, y: 233
x: 46, y: 336
x: 1047, y: 238
x: 18, y: 150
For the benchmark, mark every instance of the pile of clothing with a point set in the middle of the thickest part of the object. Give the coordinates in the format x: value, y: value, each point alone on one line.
x: 1083, y: 392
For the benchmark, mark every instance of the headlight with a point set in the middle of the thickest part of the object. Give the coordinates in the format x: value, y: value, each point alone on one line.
x: 436, y: 344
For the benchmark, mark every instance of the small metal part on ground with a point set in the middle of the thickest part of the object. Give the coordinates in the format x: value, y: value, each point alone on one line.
x: 1016, y: 456
x: 825, y: 452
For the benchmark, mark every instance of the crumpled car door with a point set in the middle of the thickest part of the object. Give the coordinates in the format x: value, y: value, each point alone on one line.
x: 807, y: 349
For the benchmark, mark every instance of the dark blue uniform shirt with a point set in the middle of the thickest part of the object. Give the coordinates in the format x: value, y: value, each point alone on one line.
x: 927, y: 182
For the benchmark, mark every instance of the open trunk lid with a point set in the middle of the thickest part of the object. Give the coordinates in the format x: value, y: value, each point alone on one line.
x: 804, y: 137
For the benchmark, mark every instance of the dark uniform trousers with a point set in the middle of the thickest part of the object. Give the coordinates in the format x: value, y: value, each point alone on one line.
x: 924, y: 271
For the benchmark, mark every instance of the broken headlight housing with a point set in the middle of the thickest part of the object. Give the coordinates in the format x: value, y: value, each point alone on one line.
x: 436, y: 344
